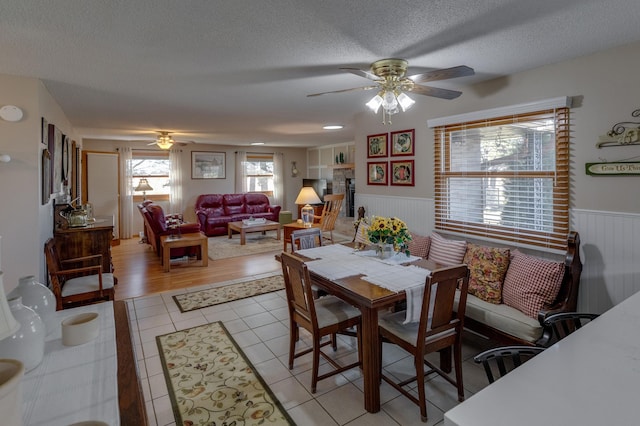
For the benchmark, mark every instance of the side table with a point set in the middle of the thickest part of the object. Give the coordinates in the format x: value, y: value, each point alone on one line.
x: 289, y: 228
x: 168, y: 242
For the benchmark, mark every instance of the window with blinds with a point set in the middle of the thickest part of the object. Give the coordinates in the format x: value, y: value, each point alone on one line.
x: 259, y: 173
x: 505, y: 178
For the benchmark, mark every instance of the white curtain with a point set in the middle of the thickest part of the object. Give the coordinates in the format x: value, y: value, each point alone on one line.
x: 126, y: 191
x: 241, y: 180
x: 175, y: 181
x: 278, y: 179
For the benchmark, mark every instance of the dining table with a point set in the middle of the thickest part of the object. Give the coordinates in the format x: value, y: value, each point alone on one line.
x: 360, y: 278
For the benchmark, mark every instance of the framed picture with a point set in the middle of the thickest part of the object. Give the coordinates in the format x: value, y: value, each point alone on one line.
x: 208, y: 165
x: 377, y: 173
x: 65, y: 160
x: 402, y: 173
x: 46, y: 176
x: 44, y: 137
x: 402, y: 142
x: 377, y: 145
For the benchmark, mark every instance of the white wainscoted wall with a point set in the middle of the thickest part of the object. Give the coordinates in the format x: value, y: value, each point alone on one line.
x: 609, y: 250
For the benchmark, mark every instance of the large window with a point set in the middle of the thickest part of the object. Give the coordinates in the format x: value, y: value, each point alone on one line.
x: 505, y: 178
x: 155, y: 167
x: 259, y: 173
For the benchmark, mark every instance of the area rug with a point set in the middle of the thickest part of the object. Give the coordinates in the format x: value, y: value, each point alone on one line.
x: 214, y: 296
x: 211, y: 382
x: 222, y: 247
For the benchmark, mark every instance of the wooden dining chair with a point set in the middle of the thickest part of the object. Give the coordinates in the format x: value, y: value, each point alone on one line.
x: 558, y: 326
x: 330, y: 212
x: 79, y: 280
x: 321, y: 317
x: 305, y: 239
x: 438, y: 330
x: 499, y: 361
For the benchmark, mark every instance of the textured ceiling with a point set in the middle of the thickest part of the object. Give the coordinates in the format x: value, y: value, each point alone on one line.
x: 235, y: 72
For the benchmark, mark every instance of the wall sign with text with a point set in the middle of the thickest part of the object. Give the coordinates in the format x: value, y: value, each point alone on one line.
x: 623, y: 168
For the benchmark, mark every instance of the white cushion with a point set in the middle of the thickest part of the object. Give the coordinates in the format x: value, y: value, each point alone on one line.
x: 86, y: 284
x: 331, y: 310
x: 502, y: 317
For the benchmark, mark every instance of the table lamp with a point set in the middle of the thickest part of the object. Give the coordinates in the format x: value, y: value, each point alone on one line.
x: 143, y: 186
x: 307, y: 196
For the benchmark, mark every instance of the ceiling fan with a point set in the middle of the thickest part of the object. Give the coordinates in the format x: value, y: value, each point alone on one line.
x: 393, y: 84
x: 165, y: 141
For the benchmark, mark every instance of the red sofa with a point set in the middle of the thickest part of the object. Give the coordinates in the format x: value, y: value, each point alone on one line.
x: 214, y: 211
x: 156, y: 224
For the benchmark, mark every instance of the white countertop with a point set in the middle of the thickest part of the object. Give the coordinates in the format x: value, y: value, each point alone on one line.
x: 75, y: 383
x: 592, y: 377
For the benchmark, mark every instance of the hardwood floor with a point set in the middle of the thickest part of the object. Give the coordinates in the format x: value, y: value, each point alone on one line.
x: 139, y: 270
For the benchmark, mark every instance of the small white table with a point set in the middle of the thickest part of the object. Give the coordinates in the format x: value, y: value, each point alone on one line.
x: 75, y: 383
x: 591, y: 377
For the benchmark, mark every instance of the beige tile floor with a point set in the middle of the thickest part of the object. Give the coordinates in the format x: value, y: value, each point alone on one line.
x: 260, y: 326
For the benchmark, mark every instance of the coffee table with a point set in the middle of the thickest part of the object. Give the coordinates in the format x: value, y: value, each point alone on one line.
x: 243, y: 229
x: 185, y: 240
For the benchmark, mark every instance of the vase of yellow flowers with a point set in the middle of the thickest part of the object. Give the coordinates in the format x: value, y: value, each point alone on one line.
x: 390, y: 235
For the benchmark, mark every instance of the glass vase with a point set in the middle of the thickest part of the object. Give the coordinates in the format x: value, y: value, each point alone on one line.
x: 385, y: 250
x: 26, y: 344
x: 38, y: 297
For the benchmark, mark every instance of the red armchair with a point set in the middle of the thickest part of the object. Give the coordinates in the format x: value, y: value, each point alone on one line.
x: 156, y: 224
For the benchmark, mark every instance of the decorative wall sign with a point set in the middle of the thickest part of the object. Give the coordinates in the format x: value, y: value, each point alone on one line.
x: 377, y: 145
x: 622, y: 133
x: 402, y: 142
x: 622, y: 168
x: 402, y: 173
x: 377, y: 173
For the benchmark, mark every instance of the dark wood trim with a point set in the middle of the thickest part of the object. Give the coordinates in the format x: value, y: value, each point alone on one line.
x: 130, y: 397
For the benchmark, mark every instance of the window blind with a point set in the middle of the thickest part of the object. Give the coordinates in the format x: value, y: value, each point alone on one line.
x: 505, y: 177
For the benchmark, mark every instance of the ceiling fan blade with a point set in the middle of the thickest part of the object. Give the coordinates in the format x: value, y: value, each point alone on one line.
x: 443, y: 74
x: 344, y: 90
x: 362, y: 73
x: 436, y: 92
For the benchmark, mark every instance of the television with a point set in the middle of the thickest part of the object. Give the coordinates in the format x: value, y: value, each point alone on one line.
x: 319, y: 185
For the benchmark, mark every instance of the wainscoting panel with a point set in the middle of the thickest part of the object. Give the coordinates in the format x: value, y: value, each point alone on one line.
x: 417, y: 213
x: 610, y: 253
x: 610, y: 246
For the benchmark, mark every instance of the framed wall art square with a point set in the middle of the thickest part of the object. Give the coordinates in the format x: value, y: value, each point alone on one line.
x: 377, y: 145
x: 402, y: 173
x: 402, y: 142
x: 208, y: 165
x: 377, y: 173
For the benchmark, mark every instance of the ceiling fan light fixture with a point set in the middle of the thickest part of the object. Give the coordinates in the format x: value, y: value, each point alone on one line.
x: 165, y: 141
x: 374, y: 103
x: 405, y: 101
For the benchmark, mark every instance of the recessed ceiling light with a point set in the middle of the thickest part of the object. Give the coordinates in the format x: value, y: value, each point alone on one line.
x: 333, y: 127
x: 257, y: 143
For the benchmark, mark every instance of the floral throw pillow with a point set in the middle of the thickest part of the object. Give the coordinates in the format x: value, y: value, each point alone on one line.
x: 419, y: 245
x: 446, y: 252
x: 531, y: 283
x: 487, y: 269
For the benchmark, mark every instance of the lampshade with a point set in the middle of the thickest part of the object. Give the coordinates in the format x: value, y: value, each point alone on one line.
x: 143, y: 185
x: 308, y: 196
x: 8, y: 324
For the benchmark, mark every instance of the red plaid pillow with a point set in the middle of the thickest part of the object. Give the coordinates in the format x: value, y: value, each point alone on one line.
x: 531, y: 283
x: 446, y: 252
x: 419, y: 245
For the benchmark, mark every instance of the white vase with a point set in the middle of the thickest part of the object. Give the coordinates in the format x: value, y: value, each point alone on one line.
x: 38, y: 297
x: 11, y: 372
x: 26, y: 344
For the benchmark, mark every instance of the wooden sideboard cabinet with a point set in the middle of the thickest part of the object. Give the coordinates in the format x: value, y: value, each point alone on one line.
x: 95, y: 238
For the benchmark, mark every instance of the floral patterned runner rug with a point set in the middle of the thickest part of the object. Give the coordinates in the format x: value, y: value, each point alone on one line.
x: 214, y: 296
x: 211, y: 382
